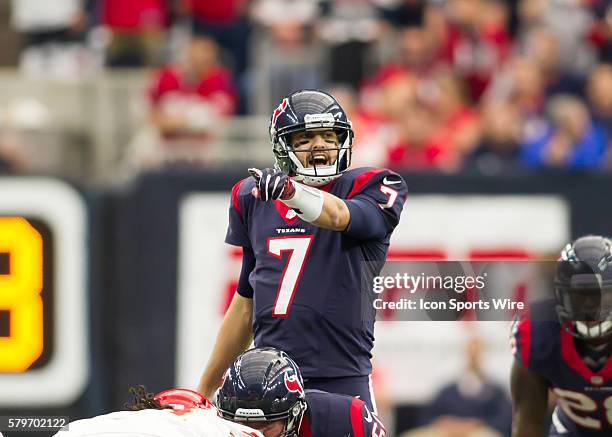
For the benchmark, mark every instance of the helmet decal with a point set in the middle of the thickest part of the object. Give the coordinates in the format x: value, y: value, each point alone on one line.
x: 279, y: 110
x: 293, y: 384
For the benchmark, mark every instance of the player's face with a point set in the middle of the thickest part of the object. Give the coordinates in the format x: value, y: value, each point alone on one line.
x: 268, y: 429
x: 593, y: 305
x: 315, y: 148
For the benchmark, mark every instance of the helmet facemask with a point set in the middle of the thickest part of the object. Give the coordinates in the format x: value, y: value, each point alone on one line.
x: 288, y: 159
x: 292, y: 417
x: 587, y: 304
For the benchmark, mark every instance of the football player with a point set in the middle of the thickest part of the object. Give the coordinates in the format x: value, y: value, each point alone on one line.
x: 307, y: 227
x: 175, y: 412
x: 263, y: 389
x: 571, y: 358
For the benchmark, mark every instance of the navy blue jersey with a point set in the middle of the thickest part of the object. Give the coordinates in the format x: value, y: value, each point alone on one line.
x: 584, y: 397
x: 334, y: 415
x: 306, y: 281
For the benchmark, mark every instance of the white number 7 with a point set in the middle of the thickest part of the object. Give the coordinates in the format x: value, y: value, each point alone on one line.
x: 392, y: 196
x: 298, y: 248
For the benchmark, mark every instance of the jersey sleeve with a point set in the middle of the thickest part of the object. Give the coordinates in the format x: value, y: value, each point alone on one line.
x: 375, y: 202
x: 237, y: 230
x: 364, y: 423
x: 248, y: 264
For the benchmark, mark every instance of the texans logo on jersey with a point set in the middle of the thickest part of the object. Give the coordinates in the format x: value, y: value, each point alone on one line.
x: 293, y: 384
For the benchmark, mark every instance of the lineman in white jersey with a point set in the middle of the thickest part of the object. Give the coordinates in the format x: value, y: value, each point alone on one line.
x: 171, y: 413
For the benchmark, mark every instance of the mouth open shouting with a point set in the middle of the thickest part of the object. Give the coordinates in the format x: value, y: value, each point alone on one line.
x: 316, y: 148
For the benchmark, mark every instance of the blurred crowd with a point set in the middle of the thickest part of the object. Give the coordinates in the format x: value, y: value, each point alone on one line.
x: 448, y: 85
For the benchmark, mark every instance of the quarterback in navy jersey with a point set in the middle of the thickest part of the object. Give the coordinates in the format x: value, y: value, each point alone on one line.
x: 263, y: 389
x: 306, y: 228
x: 571, y: 357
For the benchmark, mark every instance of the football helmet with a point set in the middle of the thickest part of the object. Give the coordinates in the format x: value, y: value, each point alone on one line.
x: 583, y: 286
x: 263, y: 384
x: 182, y: 399
x: 310, y: 110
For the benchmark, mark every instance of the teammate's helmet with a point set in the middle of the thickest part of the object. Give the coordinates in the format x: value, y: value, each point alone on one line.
x: 182, y: 399
x: 263, y: 384
x: 310, y: 110
x: 583, y: 286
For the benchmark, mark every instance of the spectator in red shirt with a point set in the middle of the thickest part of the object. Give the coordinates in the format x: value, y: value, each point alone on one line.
x: 476, y: 41
x: 226, y: 21
x: 457, y: 123
x: 188, y: 101
x: 137, y: 28
x: 416, y: 148
x: 195, y: 85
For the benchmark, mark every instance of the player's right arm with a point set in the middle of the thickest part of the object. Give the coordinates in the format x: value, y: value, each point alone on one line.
x: 529, y: 402
x: 235, y: 335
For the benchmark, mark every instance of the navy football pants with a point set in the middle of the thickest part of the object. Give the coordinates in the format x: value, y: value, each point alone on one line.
x: 350, y: 385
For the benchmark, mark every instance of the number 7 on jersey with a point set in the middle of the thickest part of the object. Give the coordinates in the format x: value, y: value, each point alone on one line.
x: 298, y: 248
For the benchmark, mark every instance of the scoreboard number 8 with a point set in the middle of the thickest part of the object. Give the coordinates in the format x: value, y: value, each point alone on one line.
x: 20, y: 290
x: 44, y: 356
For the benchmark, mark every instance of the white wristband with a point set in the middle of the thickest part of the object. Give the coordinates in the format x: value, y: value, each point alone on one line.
x: 308, y: 201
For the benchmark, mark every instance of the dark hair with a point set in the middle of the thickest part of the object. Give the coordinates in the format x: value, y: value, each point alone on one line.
x: 143, y: 400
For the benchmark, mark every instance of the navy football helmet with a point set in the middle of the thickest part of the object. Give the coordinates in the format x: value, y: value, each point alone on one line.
x: 263, y: 384
x: 308, y: 110
x: 583, y: 286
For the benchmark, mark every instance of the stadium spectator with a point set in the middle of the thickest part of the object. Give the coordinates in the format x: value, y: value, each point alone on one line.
x: 600, y: 34
x: 521, y: 83
x: 137, y: 29
x: 542, y: 48
x: 416, y: 147
x: 227, y: 22
x: 457, y: 128
x: 187, y: 99
x: 476, y: 41
x: 349, y: 28
x: 499, y: 147
x: 368, y: 148
x: 570, y: 21
x: 198, y: 75
x: 53, y: 37
x: 599, y: 92
x: 471, y: 406
x: 289, y: 55
x: 572, y: 139
x: 385, y: 101
x: 417, y: 51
